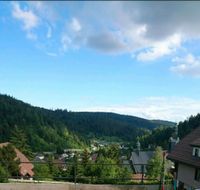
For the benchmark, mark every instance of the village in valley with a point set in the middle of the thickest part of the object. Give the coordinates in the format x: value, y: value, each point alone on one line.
x: 99, y: 95
x: 134, y: 160
x: 166, y: 156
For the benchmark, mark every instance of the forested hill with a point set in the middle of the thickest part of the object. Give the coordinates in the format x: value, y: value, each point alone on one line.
x: 164, y: 123
x: 106, y: 124
x: 43, y: 130
x: 49, y: 130
x: 188, y: 125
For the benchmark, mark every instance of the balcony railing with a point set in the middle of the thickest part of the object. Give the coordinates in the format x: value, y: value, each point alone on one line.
x: 74, y: 172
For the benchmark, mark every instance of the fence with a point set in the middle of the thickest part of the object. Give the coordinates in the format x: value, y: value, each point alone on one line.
x: 77, y: 173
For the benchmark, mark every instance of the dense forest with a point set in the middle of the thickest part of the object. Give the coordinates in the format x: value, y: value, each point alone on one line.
x: 159, y: 136
x: 42, y: 129
x: 98, y: 124
x: 188, y: 125
x: 47, y: 130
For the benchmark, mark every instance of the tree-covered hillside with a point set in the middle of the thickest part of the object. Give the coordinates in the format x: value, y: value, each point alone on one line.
x: 160, y: 135
x: 50, y: 130
x: 97, y: 124
x: 188, y: 125
x: 43, y: 130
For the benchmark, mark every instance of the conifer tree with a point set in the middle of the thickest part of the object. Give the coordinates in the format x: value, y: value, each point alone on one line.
x: 20, y: 141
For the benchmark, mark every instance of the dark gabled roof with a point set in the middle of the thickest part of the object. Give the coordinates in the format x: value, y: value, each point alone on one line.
x: 196, y: 142
x: 139, y: 159
x: 182, y: 152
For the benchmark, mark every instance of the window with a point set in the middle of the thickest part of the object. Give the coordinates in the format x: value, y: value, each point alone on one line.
x: 196, y: 152
x: 197, y: 174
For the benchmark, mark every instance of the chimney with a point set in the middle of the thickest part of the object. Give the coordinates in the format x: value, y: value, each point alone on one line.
x: 138, y: 147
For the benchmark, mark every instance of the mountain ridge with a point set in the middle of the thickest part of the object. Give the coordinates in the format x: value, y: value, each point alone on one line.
x: 57, y: 129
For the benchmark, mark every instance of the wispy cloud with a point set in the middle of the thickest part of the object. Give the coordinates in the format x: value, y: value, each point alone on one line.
x: 161, y: 49
x: 49, y: 32
x: 66, y: 42
x: 52, y: 54
x: 166, y: 108
x: 75, y: 25
x: 30, y: 35
x: 27, y: 17
x: 188, y: 65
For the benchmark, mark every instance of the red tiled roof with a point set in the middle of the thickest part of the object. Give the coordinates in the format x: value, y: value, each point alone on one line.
x: 25, y: 167
x: 182, y: 152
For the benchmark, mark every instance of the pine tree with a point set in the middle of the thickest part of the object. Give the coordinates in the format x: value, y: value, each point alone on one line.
x: 20, y: 141
x: 85, y: 157
x: 8, y: 160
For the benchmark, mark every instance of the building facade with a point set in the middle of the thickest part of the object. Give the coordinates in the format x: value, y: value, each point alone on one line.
x: 186, y: 156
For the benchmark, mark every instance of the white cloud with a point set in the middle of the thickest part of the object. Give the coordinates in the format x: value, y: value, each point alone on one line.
x: 72, y: 36
x: 165, y: 108
x: 188, y: 65
x: 52, y: 54
x: 66, y: 42
x: 157, y: 27
x: 45, y: 10
x: 161, y: 49
x: 29, y: 19
x: 30, y: 35
x: 75, y: 25
x: 131, y: 30
x: 149, y: 30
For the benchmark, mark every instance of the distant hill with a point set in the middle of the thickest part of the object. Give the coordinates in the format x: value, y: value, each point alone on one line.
x: 164, y: 123
x: 97, y: 124
x: 50, y: 130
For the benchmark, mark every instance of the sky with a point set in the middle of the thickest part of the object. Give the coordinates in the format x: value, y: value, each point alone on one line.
x: 136, y: 58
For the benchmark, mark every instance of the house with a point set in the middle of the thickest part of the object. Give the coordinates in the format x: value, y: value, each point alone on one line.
x: 140, y: 159
x: 25, y: 167
x: 186, y: 156
x: 39, y: 158
x: 60, y: 164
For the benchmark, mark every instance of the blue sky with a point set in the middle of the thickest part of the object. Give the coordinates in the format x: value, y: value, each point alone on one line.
x: 135, y: 58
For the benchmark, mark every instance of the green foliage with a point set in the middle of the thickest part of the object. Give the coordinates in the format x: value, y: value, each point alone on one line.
x: 85, y: 157
x: 42, y: 172
x: 3, y: 175
x: 48, y: 170
x: 20, y: 141
x: 37, y: 128
x: 106, y: 169
x: 123, y: 174
x: 157, y: 137
x: 48, y: 130
x: 155, y: 164
x: 100, y: 124
x: 188, y: 125
x: 111, y: 152
x: 8, y: 160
